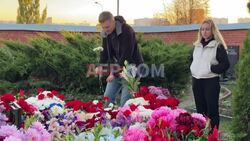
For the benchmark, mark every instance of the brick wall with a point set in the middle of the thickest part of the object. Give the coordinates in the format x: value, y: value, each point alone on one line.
x: 232, y: 37
x: 24, y: 36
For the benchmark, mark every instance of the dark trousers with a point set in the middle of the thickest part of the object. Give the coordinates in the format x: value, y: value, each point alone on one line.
x: 206, y: 96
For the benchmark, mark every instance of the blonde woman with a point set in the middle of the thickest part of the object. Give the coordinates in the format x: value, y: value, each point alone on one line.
x: 209, y: 60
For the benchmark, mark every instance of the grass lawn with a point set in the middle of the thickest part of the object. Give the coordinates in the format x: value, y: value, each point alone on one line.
x: 225, y: 129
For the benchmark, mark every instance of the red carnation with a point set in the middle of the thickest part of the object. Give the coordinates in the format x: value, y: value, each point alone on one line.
x: 60, y: 96
x: 41, y: 96
x: 40, y: 90
x: 91, y: 122
x: 25, y: 106
x: 112, y: 114
x: 105, y: 98
x: 162, y: 138
x: 183, y: 129
x: 22, y: 125
x: 184, y: 119
x: 144, y: 90
x: 147, y: 106
x: 158, y: 103
x: 199, y: 123
x: 80, y: 123
x: 133, y: 107
x: 172, y: 102
x: 214, y: 136
x: 197, y: 131
x: 91, y: 110
x: 8, y: 97
x: 99, y: 105
x: 127, y: 113
x: 150, y: 97
x: 185, y: 123
x: 6, y: 106
x: 75, y: 104
x: 50, y: 95
x: 137, y: 94
x: 22, y: 92
x: 163, y: 123
x: 54, y: 92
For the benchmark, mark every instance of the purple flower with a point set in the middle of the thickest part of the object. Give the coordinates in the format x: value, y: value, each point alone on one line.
x: 33, y: 135
x: 3, y: 119
x: 12, y: 138
x: 36, y: 132
x: 155, y: 90
x: 2, y: 108
x: 38, y: 126
x: 199, y: 116
x: 7, y: 130
x: 121, y: 121
x: 43, y: 133
x: 159, y: 91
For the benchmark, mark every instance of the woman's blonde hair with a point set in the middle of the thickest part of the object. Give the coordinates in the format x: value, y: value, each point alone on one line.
x: 215, y: 32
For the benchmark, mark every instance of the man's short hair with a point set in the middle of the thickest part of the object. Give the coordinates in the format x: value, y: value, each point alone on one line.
x: 104, y: 16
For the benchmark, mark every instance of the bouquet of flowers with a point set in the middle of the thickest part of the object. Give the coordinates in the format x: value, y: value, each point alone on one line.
x: 47, y: 99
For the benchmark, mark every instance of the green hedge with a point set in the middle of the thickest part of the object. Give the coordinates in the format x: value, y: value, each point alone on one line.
x: 241, y: 95
x: 174, y: 57
x: 46, y: 62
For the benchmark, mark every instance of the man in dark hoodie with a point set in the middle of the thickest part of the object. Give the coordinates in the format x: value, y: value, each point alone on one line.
x: 119, y: 44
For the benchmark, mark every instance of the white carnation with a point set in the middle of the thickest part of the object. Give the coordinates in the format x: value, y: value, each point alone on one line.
x: 137, y: 101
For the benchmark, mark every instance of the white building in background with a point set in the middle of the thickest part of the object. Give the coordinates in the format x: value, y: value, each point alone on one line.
x: 150, y: 22
x: 220, y: 20
x: 243, y: 20
x: 142, y: 22
x: 85, y: 23
x: 7, y: 22
x: 48, y: 20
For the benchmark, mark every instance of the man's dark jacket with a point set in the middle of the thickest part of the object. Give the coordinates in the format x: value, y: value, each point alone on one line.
x: 123, y: 46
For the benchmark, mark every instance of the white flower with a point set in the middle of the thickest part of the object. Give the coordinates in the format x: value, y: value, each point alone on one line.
x: 141, y: 113
x: 39, y: 114
x: 44, y: 103
x: 98, y: 49
x: 85, y: 116
x: 95, y: 102
x: 31, y: 100
x: 137, y: 101
x: 124, y: 73
x: 133, y: 71
x: 105, y: 131
x: 85, y: 136
x: 111, y: 105
x: 108, y: 116
x: 111, y: 138
x: 139, y: 125
x: 56, y: 110
x: 45, y: 92
x: 146, y: 113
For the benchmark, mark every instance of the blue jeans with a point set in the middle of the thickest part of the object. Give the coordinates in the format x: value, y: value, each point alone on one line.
x: 114, y: 88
